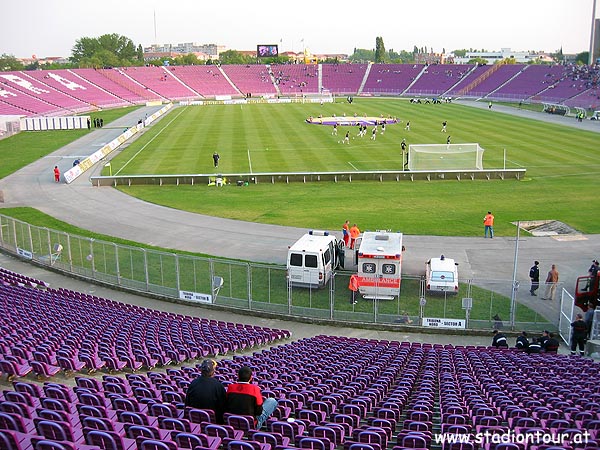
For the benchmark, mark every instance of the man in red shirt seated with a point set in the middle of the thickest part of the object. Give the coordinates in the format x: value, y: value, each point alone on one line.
x: 246, y: 399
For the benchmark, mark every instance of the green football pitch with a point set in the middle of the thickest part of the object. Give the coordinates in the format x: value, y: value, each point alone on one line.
x: 560, y: 185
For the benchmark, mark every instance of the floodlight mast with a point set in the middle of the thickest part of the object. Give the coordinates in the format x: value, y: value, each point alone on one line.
x: 592, y: 34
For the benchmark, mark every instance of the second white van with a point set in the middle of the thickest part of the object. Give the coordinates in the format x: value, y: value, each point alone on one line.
x: 441, y: 275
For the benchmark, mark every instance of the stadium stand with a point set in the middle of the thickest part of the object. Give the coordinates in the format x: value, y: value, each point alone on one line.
x: 73, y: 331
x: 343, y: 392
x: 209, y: 81
x: 435, y: 80
x: 162, y: 81
x: 61, y: 92
x: 489, y: 82
x: 251, y: 79
x: 119, y: 76
x: 25, y: 86
x: 20, y: 103
x: 342, y: 79
x: 296, y: 79
x: 474, y: 78
x: 532, y: 80
x: 73, y: 85
x: 390, y: 79
x: 589, y: 99
x: 105, y: 83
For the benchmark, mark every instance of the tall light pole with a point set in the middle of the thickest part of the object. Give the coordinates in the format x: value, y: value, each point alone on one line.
x: 592, y: 34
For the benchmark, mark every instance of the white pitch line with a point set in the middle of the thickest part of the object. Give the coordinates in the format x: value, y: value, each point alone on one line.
x: 149, y: 142
x: 249, y: 161
x: 515, y: 163
x: 352, y: 165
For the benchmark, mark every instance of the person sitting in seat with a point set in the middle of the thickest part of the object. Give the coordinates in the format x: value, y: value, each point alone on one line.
x: 552, y: 344
x: 522, y: 341
x: 244, y: 398
x: 499, y: 340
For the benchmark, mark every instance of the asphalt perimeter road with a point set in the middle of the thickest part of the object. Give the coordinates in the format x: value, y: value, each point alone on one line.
x: 108, y: 211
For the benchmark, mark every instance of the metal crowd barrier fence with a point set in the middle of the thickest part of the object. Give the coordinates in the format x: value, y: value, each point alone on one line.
x: 264, y: 289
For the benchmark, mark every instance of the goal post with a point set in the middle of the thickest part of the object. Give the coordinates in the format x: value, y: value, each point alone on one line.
x: 445, y: 157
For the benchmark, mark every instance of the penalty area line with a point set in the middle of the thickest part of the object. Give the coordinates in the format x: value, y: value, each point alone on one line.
x: 352, y: 165
x: 148, y: 143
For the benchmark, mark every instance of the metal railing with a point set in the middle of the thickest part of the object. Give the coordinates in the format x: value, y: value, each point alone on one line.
x: 264, y: 288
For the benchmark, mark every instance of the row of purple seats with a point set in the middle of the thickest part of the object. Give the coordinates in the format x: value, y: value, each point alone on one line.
x: 368, y: 392
x: 51, y: 330
x: 17, y: 279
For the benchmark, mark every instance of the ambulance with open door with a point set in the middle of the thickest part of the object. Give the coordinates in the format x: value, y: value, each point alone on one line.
x: 380, y: 264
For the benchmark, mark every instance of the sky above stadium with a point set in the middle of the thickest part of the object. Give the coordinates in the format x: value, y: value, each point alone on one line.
x: 51, y: 27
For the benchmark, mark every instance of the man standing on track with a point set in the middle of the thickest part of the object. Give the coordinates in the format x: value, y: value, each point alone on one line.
x: 346, y: 232
x: 534, y: 276
x: 551, y: 283
x: 354, y: 234
x: 488, y: 224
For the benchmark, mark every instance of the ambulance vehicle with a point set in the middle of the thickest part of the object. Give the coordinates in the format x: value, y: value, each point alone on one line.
x: 380, y: 264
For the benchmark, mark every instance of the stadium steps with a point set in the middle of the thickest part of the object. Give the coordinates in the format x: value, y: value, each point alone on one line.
x: 124, y: 101
x: 133, y: 86
x: 277, y: 86
x: 506, y: 82
x: 460, y: 80
x: 228, y: 80
x: 320, y: 77
x: 476, y: 82
x: 171, y: 73
x: 364, y: 80
x: 414, y: 81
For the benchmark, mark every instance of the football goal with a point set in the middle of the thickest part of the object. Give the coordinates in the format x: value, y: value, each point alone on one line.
x: 445, y: 157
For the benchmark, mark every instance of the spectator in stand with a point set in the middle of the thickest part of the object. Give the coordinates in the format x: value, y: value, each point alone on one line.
x: 551, y: 345
x: 354, y: 234
x: 543, y: 338
x: 578, y: 335
x: 499, y: 340
x: 522, y: 342
x: 206, y: 392
x: 534, y: 347
x: 244, y: 398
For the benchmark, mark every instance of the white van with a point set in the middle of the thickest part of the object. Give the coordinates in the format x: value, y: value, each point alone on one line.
x: 380, y: 264
x: 441, y: 275
x: 312, y: 259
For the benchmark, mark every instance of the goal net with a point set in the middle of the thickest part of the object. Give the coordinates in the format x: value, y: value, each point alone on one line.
x: 445, y: 157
